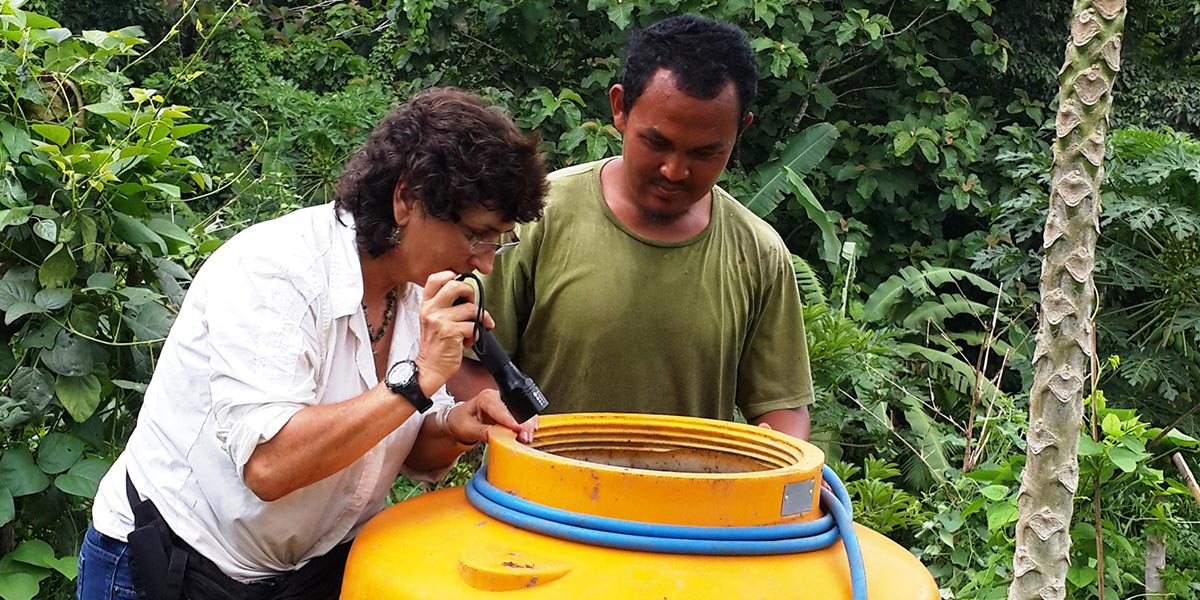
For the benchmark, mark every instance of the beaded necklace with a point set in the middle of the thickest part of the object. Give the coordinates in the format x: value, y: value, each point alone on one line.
x: 388, y: 314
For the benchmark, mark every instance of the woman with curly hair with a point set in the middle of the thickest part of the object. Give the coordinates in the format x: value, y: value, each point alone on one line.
x: 306, y: 369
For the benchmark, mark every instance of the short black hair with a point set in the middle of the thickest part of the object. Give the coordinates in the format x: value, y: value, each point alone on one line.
x: 704, y: 56
x: 454, y: 153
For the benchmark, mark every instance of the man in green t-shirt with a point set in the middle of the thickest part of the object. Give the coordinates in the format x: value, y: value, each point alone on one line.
x: 646, y: 288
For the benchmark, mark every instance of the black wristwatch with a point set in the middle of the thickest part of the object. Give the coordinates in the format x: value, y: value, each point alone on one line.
x: 401, y: 378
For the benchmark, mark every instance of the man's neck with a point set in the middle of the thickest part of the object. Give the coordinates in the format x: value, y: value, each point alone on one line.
x: 616, y: 192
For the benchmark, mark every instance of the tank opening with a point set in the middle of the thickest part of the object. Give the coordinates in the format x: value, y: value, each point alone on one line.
x: 676, y: 460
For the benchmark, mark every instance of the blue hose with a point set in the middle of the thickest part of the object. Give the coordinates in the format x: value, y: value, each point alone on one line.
x: 680, y: 539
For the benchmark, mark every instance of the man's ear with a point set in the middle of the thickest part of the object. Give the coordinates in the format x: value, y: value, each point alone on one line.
x: 746, y: 123
x: 616, y: 100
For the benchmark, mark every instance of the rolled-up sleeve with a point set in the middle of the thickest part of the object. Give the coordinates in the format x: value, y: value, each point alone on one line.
x: 264, y: 357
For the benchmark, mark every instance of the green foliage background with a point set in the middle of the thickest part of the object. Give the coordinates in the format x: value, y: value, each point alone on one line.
x: 899, y: 147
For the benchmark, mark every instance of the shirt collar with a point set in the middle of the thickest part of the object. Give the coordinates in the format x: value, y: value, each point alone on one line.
x: 345, y: 278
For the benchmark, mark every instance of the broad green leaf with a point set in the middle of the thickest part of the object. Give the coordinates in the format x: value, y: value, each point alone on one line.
x: 166, y: 267
x: 14, y: 290
x: 58, y: 34
x: 19, y: 474
x: 831, y: 246
x: 98, y: 38
x: 36, y: 21
x: 88, y: 231
x: 32, y: 387
x: 47, y: 230
x: 824, y: 97
x: 1087, y: 447
x: 928, y: 150
x: 995, y: 492
x: 8, y: 510
x: 102, y: 280
x: 58, y: 451
x: 170, y: 190
x: 1111, y: 425
x: 20, y: 309
x: 58, y: 269
x: 79, y: 395
x: 1181, y: 439
x: 54, y: 298
x: 12, y: 193
x: 130, y: 385
x: 14, y: 216
x: 171, y: 231
x: 999, y: 515
x: 42, y: 211
x: 209, y: 246
x: 42, y: 337
x: 20, y: 586
x: 39, y: 554
x: 151, y: 321
x: 71, y: 356
x: 136, y: 296
x: 1081, y: 576
x: 803, y: 153
x: 110, y: 111
x: 137, y: 233
x: 84, y: 478
x: 86, y: 319
x: 181, y: 131
x: 55, y: 133
x: 13, y: 412
x: 15, y: 139
x: 1124, y: 459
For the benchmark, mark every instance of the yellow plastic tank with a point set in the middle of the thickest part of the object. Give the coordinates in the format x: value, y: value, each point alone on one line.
x: 648, y: 471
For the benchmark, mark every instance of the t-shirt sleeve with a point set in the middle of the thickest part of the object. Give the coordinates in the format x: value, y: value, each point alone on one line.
x: 774, y: 373
x: 264, y: 356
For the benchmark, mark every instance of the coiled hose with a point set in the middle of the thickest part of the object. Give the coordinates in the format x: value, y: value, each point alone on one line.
x: 837, y: 522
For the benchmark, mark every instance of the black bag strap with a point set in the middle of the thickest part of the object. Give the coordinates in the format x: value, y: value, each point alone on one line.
x: 156, y: 563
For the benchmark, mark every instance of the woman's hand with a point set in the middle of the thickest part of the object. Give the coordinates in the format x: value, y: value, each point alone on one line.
x: 445, y: 329
x: 468, y: 422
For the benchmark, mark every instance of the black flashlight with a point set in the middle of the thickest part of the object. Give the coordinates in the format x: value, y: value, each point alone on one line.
x: 520, y: 394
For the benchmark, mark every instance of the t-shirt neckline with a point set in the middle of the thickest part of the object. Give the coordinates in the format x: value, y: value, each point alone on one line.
x: 713, y: 217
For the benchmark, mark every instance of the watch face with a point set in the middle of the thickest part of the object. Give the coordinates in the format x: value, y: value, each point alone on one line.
x: 401, y: 372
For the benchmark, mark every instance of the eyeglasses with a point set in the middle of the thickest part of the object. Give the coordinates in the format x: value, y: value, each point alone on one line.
x: 479, y: 246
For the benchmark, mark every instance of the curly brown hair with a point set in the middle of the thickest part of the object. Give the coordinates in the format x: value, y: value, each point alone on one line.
x: 453, y: 152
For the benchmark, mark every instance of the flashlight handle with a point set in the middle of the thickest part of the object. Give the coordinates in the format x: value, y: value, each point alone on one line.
x: 520, y: 394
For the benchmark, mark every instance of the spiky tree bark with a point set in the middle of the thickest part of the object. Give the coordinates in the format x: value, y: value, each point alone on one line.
x: 1065, y: 341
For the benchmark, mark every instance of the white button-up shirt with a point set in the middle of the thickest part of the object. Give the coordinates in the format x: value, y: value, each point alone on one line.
x: 272, y: 323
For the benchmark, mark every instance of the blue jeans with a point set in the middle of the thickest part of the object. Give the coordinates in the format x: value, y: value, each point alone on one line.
x: 104, y: 568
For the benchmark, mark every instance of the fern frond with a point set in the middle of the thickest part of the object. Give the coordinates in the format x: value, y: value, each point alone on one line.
x: 920, y: 283
x: 948, y: 305
x: 961, y: 375
x: 811, y: 287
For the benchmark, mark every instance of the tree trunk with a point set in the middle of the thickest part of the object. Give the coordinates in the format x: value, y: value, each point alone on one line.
x: 1065, y: 347
x: 1156, y: 559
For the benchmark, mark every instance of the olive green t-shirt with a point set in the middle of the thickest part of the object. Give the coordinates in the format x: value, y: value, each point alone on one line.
x: 604, y: 319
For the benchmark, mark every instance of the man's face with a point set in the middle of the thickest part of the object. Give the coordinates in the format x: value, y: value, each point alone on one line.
x: 675, y: 146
